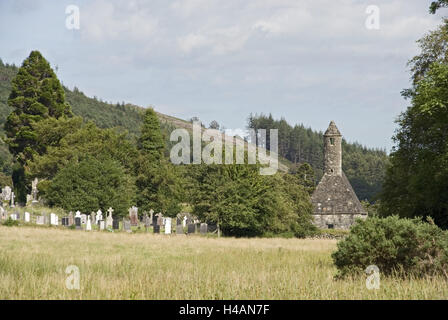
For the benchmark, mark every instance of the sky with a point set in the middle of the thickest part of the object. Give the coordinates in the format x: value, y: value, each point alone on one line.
x: 309, y: 61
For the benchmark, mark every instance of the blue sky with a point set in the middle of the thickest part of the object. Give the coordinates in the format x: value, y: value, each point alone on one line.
x: 308, y: 61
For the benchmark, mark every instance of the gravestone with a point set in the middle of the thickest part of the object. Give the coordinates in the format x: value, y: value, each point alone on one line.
x: 156, y: 228
x: 13, y: 216
x: 102, y: 224
x: 71, y: 220
x: 78, y: 214
x: 127, y: 226
x: 56, y: 221
x: 167, y: 225
x: 184, y: 221
x: 40, y: 220
x: 92, y: 217
x: 116, y: 224
x: 203, y: 228
x: 78, y: 223
x: 12, y: 199
x: 99, y: 216
x: 27, y: 217
x: 180, y: 230
x: 52, y: 219
x: 191, y: 228
x: 65, y: 221
x: 83, y: 218
x: 109, y: 219
x: 212, y: 227
x: 159, y: 219
x: 151, y: 216
x: 133, y: 215
x: 147, y: 222
x: 154, y: 220
x: 2, y: 213
x: 89, y: 224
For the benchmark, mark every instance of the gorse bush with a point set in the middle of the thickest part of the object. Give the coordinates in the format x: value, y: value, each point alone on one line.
x: 403, y: 246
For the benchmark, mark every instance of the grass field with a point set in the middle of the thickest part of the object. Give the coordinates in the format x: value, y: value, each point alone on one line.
x: 146, y: 266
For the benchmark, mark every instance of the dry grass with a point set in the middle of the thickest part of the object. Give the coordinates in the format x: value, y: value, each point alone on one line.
x: 146, y: 266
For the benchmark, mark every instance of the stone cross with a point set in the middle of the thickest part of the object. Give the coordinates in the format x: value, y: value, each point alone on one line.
x: 109, y: 219
x: 99, y: 216
x: 34, y: 190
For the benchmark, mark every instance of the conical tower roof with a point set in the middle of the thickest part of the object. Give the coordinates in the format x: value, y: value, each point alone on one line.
x: 332, y: 130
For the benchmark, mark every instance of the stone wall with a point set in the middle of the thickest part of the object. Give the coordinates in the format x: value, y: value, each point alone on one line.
x: 338, y: 221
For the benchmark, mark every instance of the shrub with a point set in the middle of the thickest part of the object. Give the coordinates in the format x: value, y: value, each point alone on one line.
x: 395, y: 246
x: 10, y: 222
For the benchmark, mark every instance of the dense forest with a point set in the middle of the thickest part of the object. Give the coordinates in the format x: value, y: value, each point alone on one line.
x: 364, y: 167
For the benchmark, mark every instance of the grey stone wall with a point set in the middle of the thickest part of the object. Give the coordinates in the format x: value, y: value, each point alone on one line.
x: 338, y: 221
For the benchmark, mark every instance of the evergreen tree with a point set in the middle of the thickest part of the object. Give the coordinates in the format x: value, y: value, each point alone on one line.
x: 36, y: 95
x: 151, y: 141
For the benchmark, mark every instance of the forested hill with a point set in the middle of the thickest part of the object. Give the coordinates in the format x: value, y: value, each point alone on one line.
x: 364, y: 167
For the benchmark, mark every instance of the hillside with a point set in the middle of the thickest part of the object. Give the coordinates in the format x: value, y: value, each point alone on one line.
x: 364, y: 167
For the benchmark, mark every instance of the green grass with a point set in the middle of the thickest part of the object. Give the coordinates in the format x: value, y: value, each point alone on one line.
x: 146, y: 266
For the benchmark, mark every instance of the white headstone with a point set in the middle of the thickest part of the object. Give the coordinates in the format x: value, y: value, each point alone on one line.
x: 53, y: 219
x: 27, y: 216
x: 89, y: 224
x: 167, y: 225
x: 78, y: 214
x: 184, y: 222
x: 84, y: 218
x: 13, y: 216
x: 102, y: 224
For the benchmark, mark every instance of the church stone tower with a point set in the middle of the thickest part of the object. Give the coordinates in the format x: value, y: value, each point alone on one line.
x: 333, y: 150
x: 335, y: 204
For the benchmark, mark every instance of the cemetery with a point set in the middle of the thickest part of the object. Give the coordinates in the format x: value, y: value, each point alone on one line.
x: 39, y: 215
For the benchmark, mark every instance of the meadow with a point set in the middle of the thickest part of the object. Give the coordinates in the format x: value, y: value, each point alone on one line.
x: 118, y: 265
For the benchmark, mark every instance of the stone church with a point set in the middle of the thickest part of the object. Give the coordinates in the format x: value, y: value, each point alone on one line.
x: 335, y: 204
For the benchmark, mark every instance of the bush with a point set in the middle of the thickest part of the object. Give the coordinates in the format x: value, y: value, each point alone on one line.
x: 395, y: 246
x: 10, y: 223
